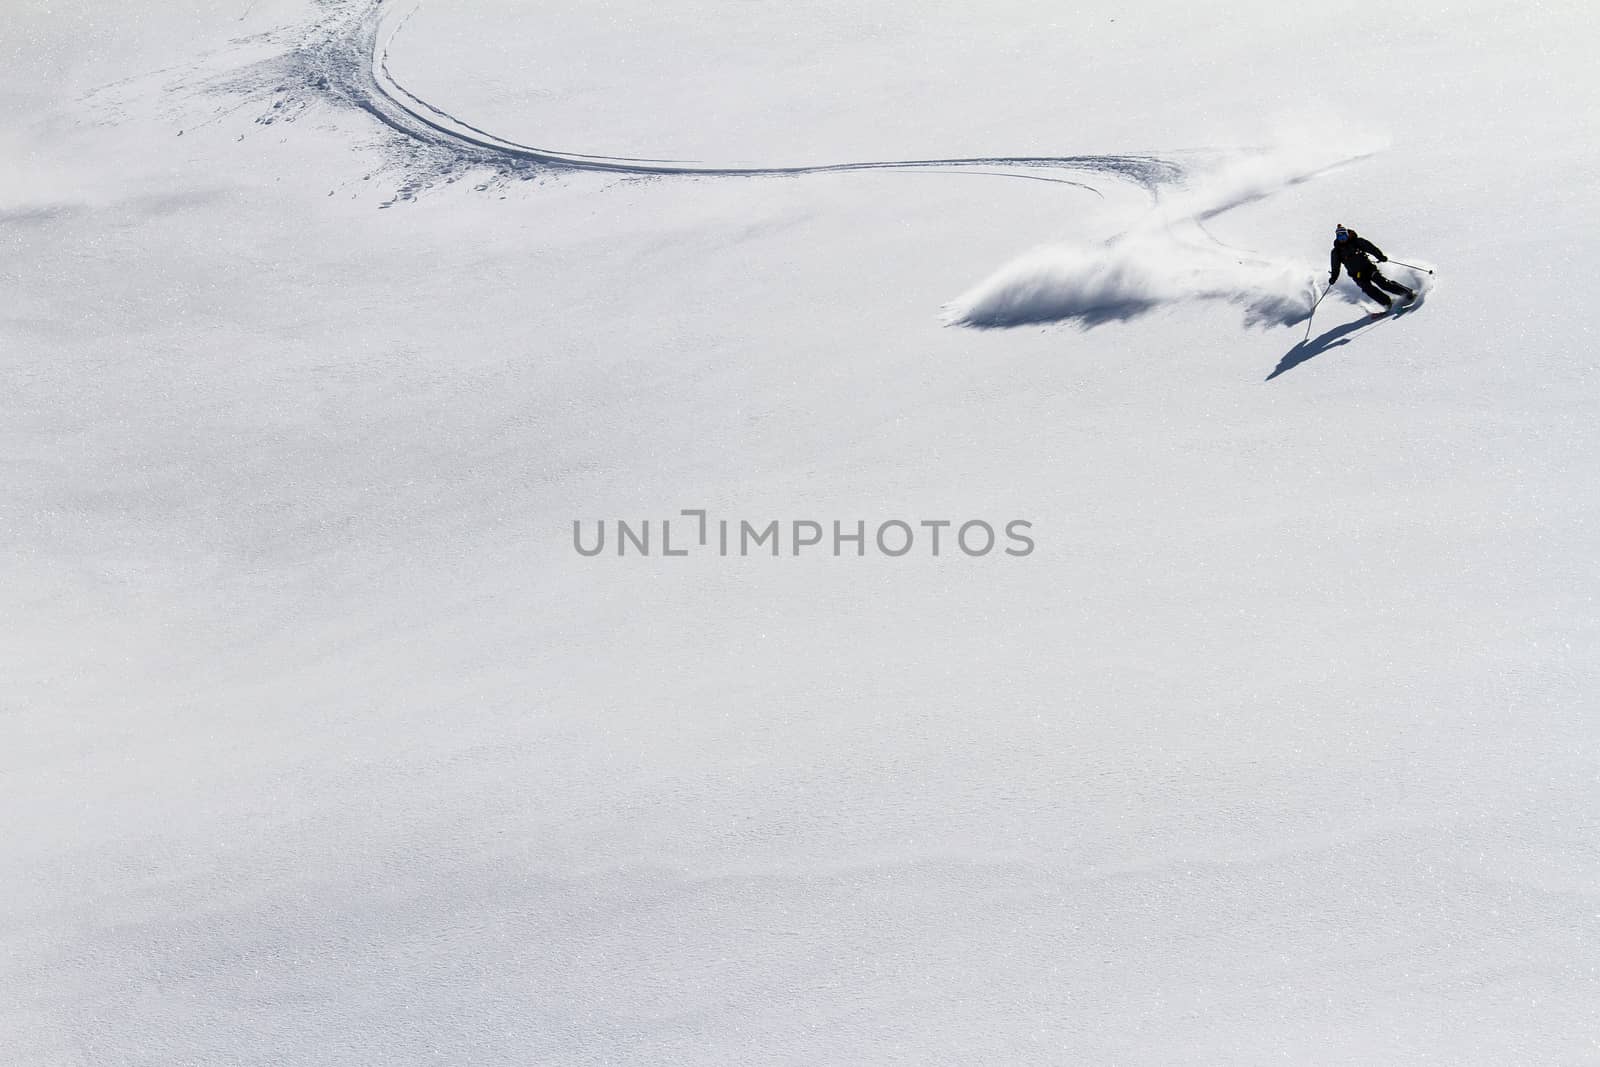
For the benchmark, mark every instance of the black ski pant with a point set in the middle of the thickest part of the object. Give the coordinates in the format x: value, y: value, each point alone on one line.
x: 1372, y: 281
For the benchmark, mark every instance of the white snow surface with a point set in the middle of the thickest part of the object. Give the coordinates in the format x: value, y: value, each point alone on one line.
x: 324, y: 321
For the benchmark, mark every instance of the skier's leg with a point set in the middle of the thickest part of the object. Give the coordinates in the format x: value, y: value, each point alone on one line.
x: 1365, y: 282
x: 1390, y: 286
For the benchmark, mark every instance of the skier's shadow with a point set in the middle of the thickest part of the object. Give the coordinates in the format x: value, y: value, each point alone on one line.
x: 1339, y: 335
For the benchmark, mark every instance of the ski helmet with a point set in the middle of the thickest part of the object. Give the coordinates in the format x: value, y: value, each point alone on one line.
x: 1340, y: 233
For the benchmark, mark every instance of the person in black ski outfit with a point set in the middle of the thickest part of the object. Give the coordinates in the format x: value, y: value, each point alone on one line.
x: 1351, y: 251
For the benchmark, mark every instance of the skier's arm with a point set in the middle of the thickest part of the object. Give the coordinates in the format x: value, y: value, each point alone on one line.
x: 1333, y: 266
x: 1364, y: 245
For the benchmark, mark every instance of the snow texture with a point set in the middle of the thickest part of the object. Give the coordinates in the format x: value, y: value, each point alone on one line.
x: 324, y: 320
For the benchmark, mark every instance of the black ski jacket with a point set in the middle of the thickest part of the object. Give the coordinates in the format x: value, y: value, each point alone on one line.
x: 1352, y: 255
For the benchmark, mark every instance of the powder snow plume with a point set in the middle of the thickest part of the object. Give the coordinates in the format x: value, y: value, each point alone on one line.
x: 1168, y: 257
x: 1096, y: 285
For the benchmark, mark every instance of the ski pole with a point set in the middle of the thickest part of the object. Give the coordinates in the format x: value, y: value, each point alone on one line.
x: 1412, y: 266
x: 1325, y: 292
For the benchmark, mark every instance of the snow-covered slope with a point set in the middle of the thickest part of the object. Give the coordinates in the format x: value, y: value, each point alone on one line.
x: 325, y: 322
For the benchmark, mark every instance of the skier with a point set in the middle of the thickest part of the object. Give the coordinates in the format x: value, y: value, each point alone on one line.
x: 1351, y: 250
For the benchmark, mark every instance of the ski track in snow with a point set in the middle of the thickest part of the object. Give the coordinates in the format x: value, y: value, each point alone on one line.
x: 344, y: 58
